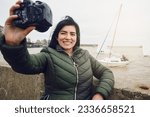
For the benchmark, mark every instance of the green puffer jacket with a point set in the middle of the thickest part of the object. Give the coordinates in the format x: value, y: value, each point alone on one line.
x: 66, y: 78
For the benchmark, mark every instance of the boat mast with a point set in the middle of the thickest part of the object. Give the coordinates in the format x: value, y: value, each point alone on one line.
x: 106, y: 37
x: 115, y: 30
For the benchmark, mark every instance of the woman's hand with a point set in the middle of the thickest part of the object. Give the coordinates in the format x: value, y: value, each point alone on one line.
x: 13, y: 34
x: 97, y: 96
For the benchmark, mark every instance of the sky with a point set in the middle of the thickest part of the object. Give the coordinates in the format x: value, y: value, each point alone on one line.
x: 95, y: 17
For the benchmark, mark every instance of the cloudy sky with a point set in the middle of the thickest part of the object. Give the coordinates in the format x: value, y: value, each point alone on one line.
x: 95, y: 17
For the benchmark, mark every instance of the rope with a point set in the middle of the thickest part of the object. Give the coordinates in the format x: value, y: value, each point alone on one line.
x: 109, y: 32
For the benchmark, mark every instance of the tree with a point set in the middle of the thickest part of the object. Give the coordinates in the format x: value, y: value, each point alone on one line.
x: 44, y: 42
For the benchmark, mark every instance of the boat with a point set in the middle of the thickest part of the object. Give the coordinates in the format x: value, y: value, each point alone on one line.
x: 114, y: 61
x: 111, y: 60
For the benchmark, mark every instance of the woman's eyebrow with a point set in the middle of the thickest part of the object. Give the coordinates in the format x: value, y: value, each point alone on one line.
x: 67, y: 31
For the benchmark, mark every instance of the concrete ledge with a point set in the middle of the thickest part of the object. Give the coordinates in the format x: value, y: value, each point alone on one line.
x: 122, y: 94
x: 15, y: 86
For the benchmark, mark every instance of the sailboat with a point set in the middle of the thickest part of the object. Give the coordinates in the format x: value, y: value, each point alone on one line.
x: 113, y: 61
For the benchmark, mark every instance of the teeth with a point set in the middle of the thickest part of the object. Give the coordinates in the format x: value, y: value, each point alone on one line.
x: 67, y: 42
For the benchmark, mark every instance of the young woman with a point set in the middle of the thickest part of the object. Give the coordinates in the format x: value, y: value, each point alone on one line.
x: 68, y: 69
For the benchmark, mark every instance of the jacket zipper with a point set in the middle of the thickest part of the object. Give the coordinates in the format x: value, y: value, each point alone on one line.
x: 77, y: 80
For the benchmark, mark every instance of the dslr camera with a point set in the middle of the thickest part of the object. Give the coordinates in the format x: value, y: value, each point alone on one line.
x: 36, y: 14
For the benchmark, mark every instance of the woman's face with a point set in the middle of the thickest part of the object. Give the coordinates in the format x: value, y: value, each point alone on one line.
x: 67, y: 38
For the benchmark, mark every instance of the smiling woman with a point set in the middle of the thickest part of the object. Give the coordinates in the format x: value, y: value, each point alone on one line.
x: 68, y: 69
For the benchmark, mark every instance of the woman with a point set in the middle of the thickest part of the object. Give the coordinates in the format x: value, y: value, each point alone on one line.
x: 68, y: 69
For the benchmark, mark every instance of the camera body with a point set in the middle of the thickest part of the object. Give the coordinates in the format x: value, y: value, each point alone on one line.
x: 36, y: 14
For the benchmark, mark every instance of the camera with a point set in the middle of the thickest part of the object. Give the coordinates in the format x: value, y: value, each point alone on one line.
x: 36, y: 14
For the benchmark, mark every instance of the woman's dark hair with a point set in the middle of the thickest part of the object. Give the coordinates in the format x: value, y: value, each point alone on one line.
x: 67, y: 21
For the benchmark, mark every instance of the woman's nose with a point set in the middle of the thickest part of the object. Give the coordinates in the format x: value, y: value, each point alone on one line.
x: 68, y: 36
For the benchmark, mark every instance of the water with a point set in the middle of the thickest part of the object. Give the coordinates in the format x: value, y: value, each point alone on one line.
x: 134, y: 53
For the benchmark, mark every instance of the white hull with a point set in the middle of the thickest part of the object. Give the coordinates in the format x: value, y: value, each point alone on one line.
x: 111, y: 62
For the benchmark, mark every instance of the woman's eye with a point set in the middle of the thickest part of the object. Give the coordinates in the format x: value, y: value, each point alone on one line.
x: 73, y: 34
x: 62, y: 33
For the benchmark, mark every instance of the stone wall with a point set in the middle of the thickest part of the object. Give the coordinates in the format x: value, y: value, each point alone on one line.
x: 15, y: 86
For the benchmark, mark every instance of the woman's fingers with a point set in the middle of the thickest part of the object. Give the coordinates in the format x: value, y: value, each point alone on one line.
x: 28, y: 30
x: 14, y: 7
x: 10, y: 20
x: 18, y: 2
